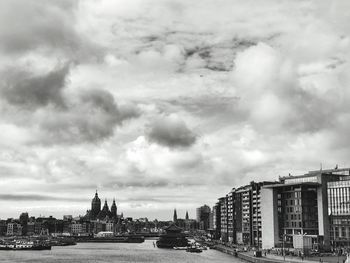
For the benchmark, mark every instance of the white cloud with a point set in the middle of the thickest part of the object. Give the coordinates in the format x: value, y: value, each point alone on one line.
x: 168, y: 95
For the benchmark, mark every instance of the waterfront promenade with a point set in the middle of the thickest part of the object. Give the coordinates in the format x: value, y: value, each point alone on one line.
x: 271, y: 258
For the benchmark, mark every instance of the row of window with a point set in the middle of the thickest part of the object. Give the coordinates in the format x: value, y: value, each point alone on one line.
x: 339, y: 200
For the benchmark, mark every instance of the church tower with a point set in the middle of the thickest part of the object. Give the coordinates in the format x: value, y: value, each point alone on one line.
x: 175, y: 216
x: 186, y: 218
x: 114, y: 210
x: 95, y: 206
x: 104, y: 212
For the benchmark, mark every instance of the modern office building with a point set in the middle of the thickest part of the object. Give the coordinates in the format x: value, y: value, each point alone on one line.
x: 339, y: 211
x: 307, y: 212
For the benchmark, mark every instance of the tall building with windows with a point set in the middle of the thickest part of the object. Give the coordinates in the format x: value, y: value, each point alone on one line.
x: 203, y: 217
x: 306, y: 212
x: 231, y: 219
x: 223, y: 219
x: 243, y: 215
x: 255, y: 206
x: 216, y: 221
x: 339, y: 211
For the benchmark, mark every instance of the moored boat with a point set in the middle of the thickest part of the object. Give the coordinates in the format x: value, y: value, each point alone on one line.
x: 193, y: 249
x: 25, y: 245
x: 180, y: 248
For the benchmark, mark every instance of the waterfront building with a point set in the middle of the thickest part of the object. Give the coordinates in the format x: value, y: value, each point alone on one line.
x: 339, y: 211
x: 3, y: 227
x: 256, y: 221
x: 216, y: 221
x: 223, y: 219
x: 23, y: 220
x: 110, y: 226
x: 238, y: 215
x: 14, y: 229
x: 243, y: 201
x: 77, y: 228
x: 202, y: 216
x: 231, y: 217
x: 307, y: 212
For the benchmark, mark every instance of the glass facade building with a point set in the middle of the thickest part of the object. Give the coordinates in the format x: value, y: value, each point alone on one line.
x: 339, y: 211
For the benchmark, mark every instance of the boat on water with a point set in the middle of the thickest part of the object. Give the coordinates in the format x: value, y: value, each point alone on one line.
x: 25, y: 245
x: 173, y: 237
x: 180, y: 248
x: 194, y: 249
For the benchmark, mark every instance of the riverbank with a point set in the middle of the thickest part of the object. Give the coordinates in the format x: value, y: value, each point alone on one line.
x: 115, y: 252
x: 269, y: 258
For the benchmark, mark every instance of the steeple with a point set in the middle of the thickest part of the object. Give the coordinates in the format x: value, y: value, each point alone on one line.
x: 105, y: 206
x: 186, y: 218
x: 95, y: 206
x: 175, y: 216
x: 114, y: 209
x: 104, y: 212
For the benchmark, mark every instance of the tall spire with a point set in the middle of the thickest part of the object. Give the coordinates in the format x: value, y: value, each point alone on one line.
x: 114, y: 209
x: 186, y: 215
x: 95, y: 206
x: 175, y: 216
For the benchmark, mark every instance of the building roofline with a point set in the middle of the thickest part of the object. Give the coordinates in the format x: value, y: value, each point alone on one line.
x: 298, y: 183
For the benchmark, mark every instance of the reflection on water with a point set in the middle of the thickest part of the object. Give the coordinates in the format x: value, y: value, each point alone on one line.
x: 113, y: 252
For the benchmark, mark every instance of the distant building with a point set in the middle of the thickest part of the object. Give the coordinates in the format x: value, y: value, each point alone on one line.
x: 203, y: 215
x: 216, y: 221
x: 14, y: 229
x: 223, y: 219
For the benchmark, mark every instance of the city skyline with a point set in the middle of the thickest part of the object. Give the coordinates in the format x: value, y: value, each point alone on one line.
x: 166, y: 105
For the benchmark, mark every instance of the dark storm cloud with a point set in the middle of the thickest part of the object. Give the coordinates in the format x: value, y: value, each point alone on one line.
x: 172, y: 132
x: 36, y: 197
x: 91, y: 118
x: 24, y: 89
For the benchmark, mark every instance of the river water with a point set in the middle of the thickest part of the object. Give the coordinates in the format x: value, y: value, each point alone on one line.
x: 113, y: 252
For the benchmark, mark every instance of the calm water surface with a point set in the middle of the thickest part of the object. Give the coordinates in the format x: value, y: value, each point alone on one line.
x: 113, y: 252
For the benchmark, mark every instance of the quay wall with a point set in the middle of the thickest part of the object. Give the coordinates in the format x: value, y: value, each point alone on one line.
x: 246, y: 257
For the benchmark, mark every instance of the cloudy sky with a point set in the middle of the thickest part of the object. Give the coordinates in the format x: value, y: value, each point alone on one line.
x: 166, y: 104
